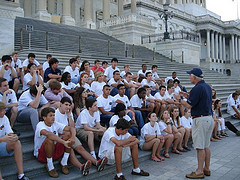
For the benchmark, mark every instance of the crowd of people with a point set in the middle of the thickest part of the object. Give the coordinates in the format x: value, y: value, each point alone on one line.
x: 118, y: 109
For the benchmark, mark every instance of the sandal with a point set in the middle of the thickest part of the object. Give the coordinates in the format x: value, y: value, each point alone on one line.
x: 216, y: 137
x: 154, y: 158
x: 213, y: 140
x: 160, y: 157
x: 166, y: 155
x: 176, y: 152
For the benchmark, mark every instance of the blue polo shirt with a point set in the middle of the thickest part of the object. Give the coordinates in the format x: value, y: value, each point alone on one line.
x: 200, y: 99
x: 50, y: 71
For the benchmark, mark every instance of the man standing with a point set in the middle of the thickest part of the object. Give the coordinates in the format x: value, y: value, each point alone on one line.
x: 200, y: 102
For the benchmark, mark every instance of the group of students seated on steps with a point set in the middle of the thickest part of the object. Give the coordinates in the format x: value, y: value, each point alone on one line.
x: 119, y: 110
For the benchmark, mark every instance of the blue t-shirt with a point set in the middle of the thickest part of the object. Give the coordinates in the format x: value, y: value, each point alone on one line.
x: 50, y: 71
x: 200, y: 99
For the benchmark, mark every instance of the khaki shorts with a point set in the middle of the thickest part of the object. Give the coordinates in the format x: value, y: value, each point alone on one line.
x: 201, y: 131
x: 83, y: 135
x: 77, y: 143
x: 126, y: 155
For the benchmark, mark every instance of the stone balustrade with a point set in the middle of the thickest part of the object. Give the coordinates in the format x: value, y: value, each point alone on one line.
x: 124, y: 19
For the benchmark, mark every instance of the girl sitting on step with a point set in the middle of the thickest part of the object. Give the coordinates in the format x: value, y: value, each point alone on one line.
x: 186, y: 122
x: 218, y: 113
x: 151, y: 138
x: 215, y: 128
x: 170, y: 133
x: 174, y: 113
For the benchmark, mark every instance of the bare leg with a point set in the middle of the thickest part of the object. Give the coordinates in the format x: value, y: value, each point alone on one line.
x: 207, y: 158
x: 159, y: 148
x: 182, y: 132
x: 91, y: 141
x: 17, y: 148
x: 14, y: 112
x: 16, y: 85
x: 177, y: 138
x: 153, y: 144
x: 187, y: 135
x: 134, y: 153
x: 73, y: 159
x: 85, y: 154
x: 201, y: 159
x: 168, y: 141
x: 157, y: 108
x: 118, y: 158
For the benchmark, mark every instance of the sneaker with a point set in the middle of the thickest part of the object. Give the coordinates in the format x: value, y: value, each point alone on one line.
x: 101, y: 163
x: 24, y: 178
x: 120, y: 178
x: 85, y: 168
x: 238, y: 133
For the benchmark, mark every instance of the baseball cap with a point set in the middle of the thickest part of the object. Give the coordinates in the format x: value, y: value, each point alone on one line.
x: 197, y: 72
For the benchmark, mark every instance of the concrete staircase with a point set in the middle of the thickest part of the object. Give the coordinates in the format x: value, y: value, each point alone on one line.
x: 94, y: 45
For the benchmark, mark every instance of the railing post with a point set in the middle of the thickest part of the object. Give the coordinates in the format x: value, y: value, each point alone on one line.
x: 46, y: 40
x: 153, y: 54
x: 141, y: 40
x: 126, y: 50
x: 182, y: 56
x: 133, y: 51
x: 29, y: 40
x: 79, y: 44
x: 21, y: 38
x: 171, y: 56
x: 149, y: 39
x: 108, y: 47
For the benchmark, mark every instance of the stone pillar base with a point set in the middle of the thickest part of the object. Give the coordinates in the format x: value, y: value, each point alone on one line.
x: 183, y: 51
x: 88, y: 24
x: 68, y: 20
x: 43, y: 16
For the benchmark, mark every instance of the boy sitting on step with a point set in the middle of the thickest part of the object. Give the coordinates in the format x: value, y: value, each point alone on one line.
x: 48, y: 146
x: 118, y: 145
x: 9, y: 143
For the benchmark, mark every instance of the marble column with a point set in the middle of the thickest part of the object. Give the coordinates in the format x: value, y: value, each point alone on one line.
x: 184, y: 1
x: 66, y: 15
x: 179, y: 1
x: 208, y: 44
x: 42, y: 13
x: 120, y: 7
x: 216, y: 46
x: 212, y: 45
x: 220, y: 47
x: 232, y: 49
x: 164, y: 1
x: 171, y: 2
x: 198, y: 2
x: 27, y: 6
x: 87, y: 10
x: 133, y: 6
x: 106, y: 9
x: 236, y: 47
x: 51, y: 6
x: 224, y: 48
x: 204, y: 3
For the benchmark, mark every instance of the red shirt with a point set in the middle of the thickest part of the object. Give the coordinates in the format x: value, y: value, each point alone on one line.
x: 99, y: 69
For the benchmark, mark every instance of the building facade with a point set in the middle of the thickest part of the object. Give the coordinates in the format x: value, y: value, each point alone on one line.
x: 218, y: 42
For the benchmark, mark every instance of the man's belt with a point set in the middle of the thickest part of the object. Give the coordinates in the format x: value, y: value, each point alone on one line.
x: 200, y: 116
